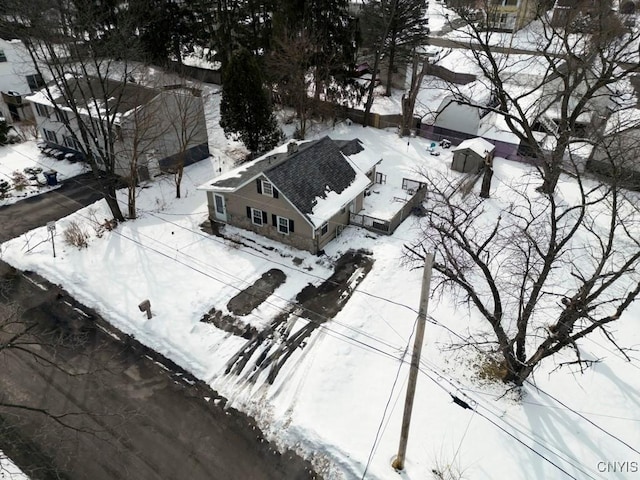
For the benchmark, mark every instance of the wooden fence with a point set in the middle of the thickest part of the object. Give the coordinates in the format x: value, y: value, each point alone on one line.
x: 387, y: 227
x: 449, y: 75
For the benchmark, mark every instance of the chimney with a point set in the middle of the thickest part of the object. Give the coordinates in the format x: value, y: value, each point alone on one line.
x: 292, y: 147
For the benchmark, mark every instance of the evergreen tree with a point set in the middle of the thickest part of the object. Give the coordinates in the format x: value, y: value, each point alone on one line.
x: 243, y: 24
x: 333, y: 30
x: 394, y: 28
x: 164, y: 27
x: 245, y: 110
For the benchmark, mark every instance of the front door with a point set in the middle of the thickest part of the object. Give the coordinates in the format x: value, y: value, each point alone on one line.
x: 221, y: 211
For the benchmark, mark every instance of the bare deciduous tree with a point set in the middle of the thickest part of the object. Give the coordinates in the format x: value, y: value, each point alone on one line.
x: 184, y: 125
x: 87, y: 56
x: 138, y: 133
x: 289, y: 64
x: 566, y: 91
x: 418, y: 72
x: 543, y: 271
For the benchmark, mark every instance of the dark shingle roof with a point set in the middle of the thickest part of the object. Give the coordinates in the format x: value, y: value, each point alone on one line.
x: 311, y: 172
x: 349, y: 147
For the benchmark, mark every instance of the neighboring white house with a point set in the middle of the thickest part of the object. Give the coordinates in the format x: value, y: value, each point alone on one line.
x: 153, y: 128
x: 18, y: 77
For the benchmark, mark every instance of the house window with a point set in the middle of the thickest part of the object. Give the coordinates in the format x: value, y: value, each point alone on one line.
x: 42, y: 110
x: 266, y: 188
x: 284, y: 225
x: 258, y: 217
x: 50, y: 136
x: 324, y: 229
x: 35, y: 81
x: 71, y: 142
x: 3, y: 57
x: 61, y: 116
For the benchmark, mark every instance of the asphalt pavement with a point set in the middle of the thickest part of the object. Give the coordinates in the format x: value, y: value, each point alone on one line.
x: 32, y: 212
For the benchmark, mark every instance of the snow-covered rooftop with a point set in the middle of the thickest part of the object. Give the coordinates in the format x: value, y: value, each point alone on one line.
x: 477, y: 145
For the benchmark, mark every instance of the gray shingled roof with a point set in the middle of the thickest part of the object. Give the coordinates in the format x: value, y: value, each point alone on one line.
x: 128, y: 95
x: 312, y: 172
x: 349, y: 147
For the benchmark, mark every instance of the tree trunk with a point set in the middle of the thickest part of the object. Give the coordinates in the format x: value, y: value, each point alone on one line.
x: 112, y: 201
x: 392, y: 58
x: 178, y: 178
x: 406, y: 114
x: 486, y: 180
x: 551, y: 174
x: 369, y: 103
x: 409, y: 101
x: 131, y: 201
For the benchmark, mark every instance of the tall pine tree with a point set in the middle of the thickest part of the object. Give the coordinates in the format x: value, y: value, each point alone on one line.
x: 331, y: 28
x: 393, y: 29
x: 245, y: 110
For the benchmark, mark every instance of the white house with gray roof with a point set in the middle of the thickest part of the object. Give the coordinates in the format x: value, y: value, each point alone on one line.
x: 158, y: 127
x: 301, y: 194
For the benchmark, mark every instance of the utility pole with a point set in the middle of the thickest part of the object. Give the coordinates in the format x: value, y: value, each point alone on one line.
x: 398, y: 462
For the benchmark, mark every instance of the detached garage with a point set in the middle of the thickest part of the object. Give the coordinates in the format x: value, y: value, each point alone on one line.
x: 471, y: 154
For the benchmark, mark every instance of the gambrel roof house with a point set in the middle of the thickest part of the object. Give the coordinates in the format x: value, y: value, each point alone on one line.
x: 157, y: 126
x: 299, y: 194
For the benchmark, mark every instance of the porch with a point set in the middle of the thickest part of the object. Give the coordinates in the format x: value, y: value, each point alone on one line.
x: 386, y: 206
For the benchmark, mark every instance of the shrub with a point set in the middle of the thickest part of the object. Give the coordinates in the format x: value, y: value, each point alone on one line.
x: 4, y: 189
x: 75, y: 235
x: 20, y: 180
x: 4, y: 132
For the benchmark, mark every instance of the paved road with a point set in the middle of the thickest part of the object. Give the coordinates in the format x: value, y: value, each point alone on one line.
x: 38, y: 210
x: 141, y: 417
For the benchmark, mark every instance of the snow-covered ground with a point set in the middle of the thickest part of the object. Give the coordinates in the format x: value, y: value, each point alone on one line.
x: 8, y: 470
x: 339, y: 399
x: 19, y: 156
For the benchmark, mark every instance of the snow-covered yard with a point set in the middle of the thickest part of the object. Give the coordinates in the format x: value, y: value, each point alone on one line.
x: 8, y: 470
x: 339, y: 400
x: 18, y: 157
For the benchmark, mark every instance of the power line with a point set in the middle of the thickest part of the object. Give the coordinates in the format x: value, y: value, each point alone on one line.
x: 529, y: 447
x: 211, y: 238
x: 205, y: 236
x: 473, y: 405
x: 287, y: 301
x: 557, y: 400
x: 554, y: 398
x: 583, y: 417
x: 322, y: 325
x: 334, y: 333
x: 386, y: 407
